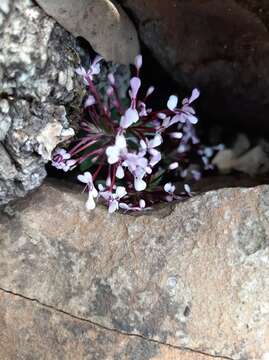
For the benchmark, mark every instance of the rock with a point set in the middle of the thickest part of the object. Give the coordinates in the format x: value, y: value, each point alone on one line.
x: 102, y: 23
x: 252, y: 161
x: 192, y: 276
x: 62, y: 336
x: 222, y: 47
x: 37, y: 90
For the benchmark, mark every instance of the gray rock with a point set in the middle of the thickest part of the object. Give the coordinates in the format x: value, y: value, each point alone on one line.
x: 37, y: 88
x: 222, y: 47
x: 102, y: 23
x: 194, y: 275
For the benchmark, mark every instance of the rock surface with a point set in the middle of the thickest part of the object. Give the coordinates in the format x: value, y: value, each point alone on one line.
x: 37, y: 89
x: 56, y: 335
x: 103, y: 23
x: 193, y: 276
x: 222, y: 47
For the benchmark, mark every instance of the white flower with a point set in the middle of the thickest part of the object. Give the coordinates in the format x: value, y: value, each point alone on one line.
x: 130, y: 117
x: 150, y: 91
x: 61, y: 160
x: 187, y: 189
x: 114, y: 198
x: 114, y: 152
x: 186, y: 112
x: 138, y: 62
x: 169, y: 188
x: 150, y: 146
x: 90, y: 101
x: 135, y: 84
x: 172, y: 102
x: 130, y: 207
x: 139, y: 184
x: 120, y: 172
x: 93, y: 70
x: 86, y: 178
x: 173, y: 166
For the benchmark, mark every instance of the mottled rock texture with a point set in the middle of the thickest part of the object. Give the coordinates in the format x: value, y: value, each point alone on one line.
x: 194, y: 275
x: 38, y: 88
x: 220, y: 46
x: 102, y: 23
x: 30, y: 330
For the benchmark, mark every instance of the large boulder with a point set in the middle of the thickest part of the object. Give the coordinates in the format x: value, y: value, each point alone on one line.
x: 192, y: 276
x: 102, y: 23
x: 38, y: 87
x: 222, y: 47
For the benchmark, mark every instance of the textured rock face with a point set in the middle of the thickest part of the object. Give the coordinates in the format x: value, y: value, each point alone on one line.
x: 103, y: 23
x: 220, y: 46
x: 37, y: 83
x: 195, y: 276
x: 55, y: 335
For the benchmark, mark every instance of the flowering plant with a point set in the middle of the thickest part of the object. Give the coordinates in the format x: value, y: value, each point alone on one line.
x: 128, y: 156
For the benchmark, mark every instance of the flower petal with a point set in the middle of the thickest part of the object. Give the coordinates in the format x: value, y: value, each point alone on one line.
x: 90, y: 203
x: 131, y: 116
x: 90, y: 101
x: 172, y: 102
x: 120, y: 172
x: 135, y: 83
x: 139, y: 184
x: 195, y: 94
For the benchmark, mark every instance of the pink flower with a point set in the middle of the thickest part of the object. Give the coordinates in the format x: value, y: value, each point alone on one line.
x: 130, y: 117
x: 93, y: 70
x: 135, y: 83
x: 115, y: 152
x: 61, y: 160
x: 130, y: 207
x: 113, y: 198
x: 186, y: 112
x: 137, y: 164
x: 150, y: 146
x: 90, y: 101
x: 170, y: 189
x: 86, y: 178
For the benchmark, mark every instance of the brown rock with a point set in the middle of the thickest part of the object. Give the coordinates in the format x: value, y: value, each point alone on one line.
x: 103, y: 23
x: 222, y: 47
x: 195, y: 276
x: 30, y: 330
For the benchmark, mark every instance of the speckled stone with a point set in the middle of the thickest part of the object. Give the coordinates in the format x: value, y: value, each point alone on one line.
x: 38, y: 87
x: 194, y: 275
x: 32, y: 331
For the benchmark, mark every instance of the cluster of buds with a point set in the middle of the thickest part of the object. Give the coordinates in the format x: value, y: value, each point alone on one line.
x: 129, y: 157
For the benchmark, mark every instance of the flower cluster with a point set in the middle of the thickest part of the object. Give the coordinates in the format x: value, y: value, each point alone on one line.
x: 131, y: 156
